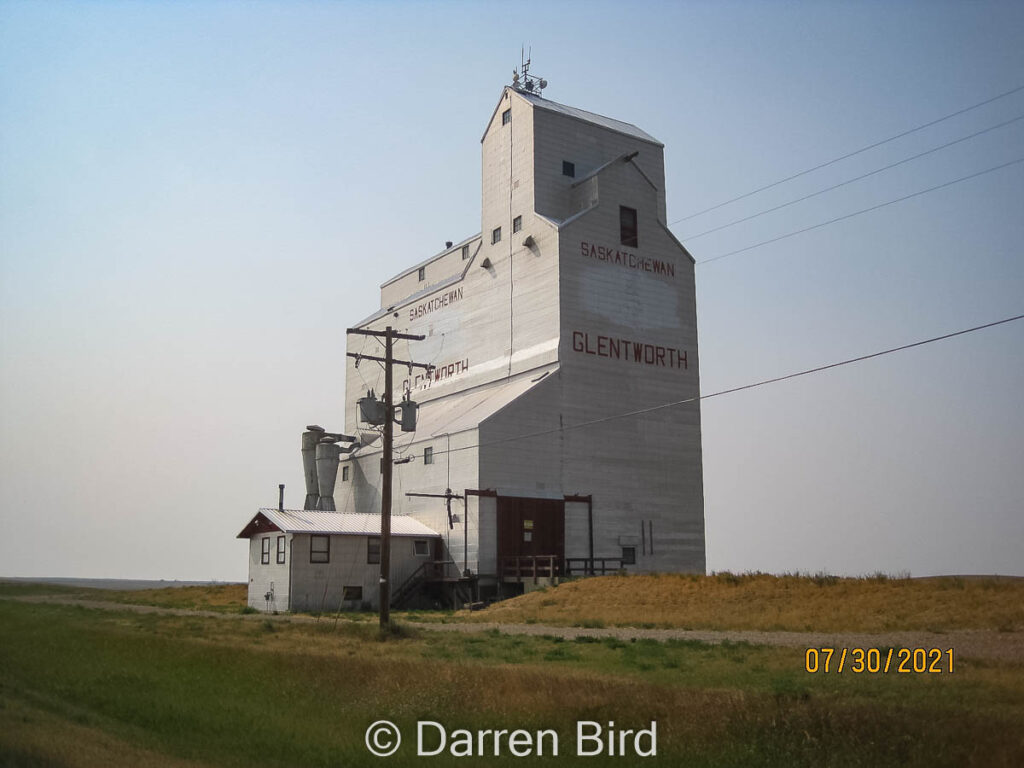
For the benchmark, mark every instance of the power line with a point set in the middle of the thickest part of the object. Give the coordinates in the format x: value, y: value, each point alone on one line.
x: 851, y: 154
x: 864, y: 210
x: 731, y: 390
x: 851, y: 181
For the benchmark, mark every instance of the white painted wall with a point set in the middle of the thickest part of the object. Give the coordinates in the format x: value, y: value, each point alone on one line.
x: 274, y: 576
x: 318, y: 586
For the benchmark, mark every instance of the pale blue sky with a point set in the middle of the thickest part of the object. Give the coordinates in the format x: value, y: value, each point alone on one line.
x: 197, y: 198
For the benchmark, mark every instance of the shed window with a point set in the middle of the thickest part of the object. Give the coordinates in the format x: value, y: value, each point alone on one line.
x: 465, y: 252
x: 428, y: 455
x: 265, y: 555
x: 422, y: 274
x: 506, y: 117
x: 420, y: 548
x: 280, y: 550
x: 372, y: 550
x: 517, y: 224
x: 344, y: 473
x: 495, y: 235
x: 319, y: 549
x: 629, y: 555
x: 627, y: 226
x: 352, y: 593
x: 569, y: 169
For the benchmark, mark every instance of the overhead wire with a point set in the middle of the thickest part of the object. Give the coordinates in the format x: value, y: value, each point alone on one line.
x: 852, y: 154
x: 731, y: 390
x: 862, y: 211
x: 690, y: 238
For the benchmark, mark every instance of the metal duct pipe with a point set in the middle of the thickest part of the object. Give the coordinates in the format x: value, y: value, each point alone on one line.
x: 309, y: 443
x: 327, y: 460
x: 280, y: 497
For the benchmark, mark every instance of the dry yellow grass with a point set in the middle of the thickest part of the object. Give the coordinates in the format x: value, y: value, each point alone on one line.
x: 215, y: 597
x: 778, y: 603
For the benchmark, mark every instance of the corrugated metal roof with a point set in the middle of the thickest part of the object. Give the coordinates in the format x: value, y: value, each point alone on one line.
x: 581, y: 114
x: 344, y: 523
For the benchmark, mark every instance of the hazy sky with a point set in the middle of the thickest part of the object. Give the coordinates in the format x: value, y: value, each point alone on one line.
x: 197, y: 198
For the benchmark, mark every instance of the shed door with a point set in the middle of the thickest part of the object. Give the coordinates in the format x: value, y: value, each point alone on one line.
x: 528, y: 527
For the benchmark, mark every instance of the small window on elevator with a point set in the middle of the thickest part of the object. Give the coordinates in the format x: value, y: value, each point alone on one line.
x: 627, y: 226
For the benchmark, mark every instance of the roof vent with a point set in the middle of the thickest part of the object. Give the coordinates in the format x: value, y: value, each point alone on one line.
x: 447, y: 243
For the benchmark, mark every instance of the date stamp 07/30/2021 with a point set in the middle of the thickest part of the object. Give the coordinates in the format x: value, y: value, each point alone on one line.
x: 881, y: 661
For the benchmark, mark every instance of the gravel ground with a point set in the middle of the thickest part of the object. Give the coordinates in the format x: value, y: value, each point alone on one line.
x: 966, y: 643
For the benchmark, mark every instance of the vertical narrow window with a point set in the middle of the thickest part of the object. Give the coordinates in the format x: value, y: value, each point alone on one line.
x: 265, y: 554
x: 506, y: 117
x: 428, y: 455
x: 373, y: 550
x: 319, y: 549
x: 465, y: 252
x: 629, y: 555
x: 627, y: 226
x: 344, y: 474
x: 569, y: 169
x: 517, y: 224
x: 495, y: 235
x: 422, y: 274
x: 280, y: 550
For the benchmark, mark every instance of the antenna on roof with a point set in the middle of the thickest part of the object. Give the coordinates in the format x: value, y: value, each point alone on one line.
x: 526, y: 81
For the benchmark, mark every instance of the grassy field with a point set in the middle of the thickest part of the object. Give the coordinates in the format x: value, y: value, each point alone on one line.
x: 719, y: 602
x: 772, y: 603
x: 84, y: 687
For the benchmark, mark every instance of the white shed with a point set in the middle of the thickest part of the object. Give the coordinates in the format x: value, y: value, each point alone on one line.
x: 304, y: 560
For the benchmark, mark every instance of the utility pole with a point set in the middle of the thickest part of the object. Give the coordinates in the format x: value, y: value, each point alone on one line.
x: 389, y: 335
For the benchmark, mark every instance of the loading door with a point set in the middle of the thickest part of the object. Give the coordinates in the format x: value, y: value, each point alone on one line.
x: 531, y: 536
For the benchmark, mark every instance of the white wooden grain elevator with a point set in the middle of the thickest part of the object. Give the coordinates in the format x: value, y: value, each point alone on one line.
x: 573, y: 306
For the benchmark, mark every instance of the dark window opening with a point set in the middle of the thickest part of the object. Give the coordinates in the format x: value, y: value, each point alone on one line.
x: 627, y: 226
x: 569, y: 169
x: 319, y: 549
x: 420, y: 548
x: 465, y: 252
x: 428, y: 455
x: 344, y: 473
x: 517, y: 224
x: 506, y: 117
x: 372, y: 550
x: 351, y: 593
x: 496, y: 235
x: 629, y: 555
x: 280, y: 550
x: 265, y: 554
x: 423, y: 273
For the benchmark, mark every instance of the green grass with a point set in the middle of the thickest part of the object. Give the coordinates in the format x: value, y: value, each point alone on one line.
x: 85, y: 687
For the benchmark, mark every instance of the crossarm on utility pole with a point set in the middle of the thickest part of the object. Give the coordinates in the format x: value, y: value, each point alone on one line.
x: 385, y: 334
x: 359, y: 356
